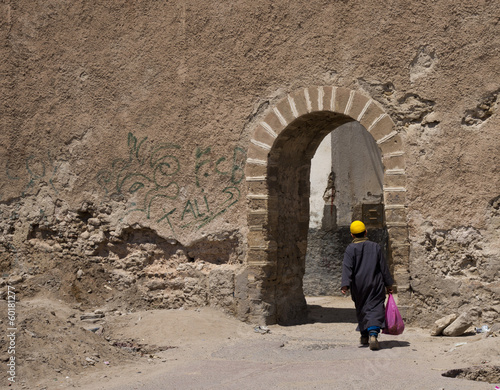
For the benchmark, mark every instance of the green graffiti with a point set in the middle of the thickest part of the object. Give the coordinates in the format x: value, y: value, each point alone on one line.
x: 150, y: 174
x: 200, y: 163
x: 238, y: 173
x: 36, y: 170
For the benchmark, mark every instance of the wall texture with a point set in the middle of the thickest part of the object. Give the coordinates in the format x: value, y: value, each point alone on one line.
x: 126, y: 135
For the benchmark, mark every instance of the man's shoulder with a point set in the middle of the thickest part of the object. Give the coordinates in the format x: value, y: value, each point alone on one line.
x: 367, y: 243
x: 371, y: 243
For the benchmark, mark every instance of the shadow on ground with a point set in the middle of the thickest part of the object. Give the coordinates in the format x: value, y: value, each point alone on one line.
x: 393, y: 344
x: 317, y: 313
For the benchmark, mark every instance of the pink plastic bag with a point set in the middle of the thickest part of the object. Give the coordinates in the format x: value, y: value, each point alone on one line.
x: 393, y: 321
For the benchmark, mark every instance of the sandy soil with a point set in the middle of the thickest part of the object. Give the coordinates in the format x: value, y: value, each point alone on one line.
x: 56, y: 349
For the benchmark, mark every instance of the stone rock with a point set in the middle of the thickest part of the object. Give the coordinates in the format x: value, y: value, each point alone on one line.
x: 459, y: 326
x: 442, y: 323
x: 16, y: 279
x: 495, y: 328
x: 91, y: 316
x: 94, y: 221
x: 155, y: 284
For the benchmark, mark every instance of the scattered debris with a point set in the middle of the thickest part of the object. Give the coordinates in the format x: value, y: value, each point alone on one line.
x: 144, y: 349
x: 483, y: 329
x: 261, y: 329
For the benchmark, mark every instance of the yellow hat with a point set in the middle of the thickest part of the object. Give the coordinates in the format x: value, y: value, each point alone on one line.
x: 357, y: 227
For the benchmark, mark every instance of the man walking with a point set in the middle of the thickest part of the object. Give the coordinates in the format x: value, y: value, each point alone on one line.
x: 365, y: 273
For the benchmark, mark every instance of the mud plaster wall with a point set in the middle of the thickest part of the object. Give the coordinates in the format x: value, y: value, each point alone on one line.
x: 125, y: 128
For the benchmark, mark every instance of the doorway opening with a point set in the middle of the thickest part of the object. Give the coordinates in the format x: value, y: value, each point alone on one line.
x: 278, y: 169
x: 346, y: 185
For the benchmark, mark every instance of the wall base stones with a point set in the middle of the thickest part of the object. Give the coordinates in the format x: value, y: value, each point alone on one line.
x: 88, y: 257
x: 460, y: 274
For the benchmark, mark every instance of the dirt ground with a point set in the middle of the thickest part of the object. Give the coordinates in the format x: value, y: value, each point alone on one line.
x: 57, y: 348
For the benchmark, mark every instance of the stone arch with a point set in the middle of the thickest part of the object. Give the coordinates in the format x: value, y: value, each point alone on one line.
x: 286, y: 140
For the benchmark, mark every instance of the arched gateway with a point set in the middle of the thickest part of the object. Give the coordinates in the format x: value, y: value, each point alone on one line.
x: 277, y: 174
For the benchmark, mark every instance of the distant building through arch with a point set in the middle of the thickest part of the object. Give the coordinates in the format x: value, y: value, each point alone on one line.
x: 346, y: 184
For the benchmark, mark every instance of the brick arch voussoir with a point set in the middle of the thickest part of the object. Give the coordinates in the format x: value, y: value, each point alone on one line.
x: 342, y: 101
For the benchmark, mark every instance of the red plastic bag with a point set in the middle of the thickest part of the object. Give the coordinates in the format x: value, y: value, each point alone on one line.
x: 393, y: 321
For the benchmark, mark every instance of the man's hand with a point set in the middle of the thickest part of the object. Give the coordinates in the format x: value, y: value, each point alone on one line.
x: 389, y: 289
x: 344, y: 289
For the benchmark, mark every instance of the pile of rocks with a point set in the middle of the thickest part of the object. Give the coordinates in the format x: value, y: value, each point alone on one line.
x: 453, y: 325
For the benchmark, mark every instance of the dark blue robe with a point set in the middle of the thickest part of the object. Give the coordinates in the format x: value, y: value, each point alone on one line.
x: 365, y: 271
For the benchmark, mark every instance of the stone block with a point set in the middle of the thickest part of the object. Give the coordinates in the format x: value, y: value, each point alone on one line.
x: 257, y: 257
x: 442, y: 323
x: 257, y: 153
x: 392, y: 145
x: 459, y: 326
x: 371, y: 114
x: 274, y: 122
x: 358, y: 104
x: 257, y: 218
x: 382, y: 128
x: 400, y: 255
x: 262, y: 135
x: 253, y: 170
x: 313, y: 98
x: 257, y: 239
x: 285, y: 110
x: 401, y: 278
x: 394, y: 197
x: 394, y: 162
x: 395, y: 215
x: 395, y: 180
x: 299, y: 101
x: 258, y: 206
x: 257, y: 186
x: 341, y: 99
x: 397, y: 234
x: 327, y: 98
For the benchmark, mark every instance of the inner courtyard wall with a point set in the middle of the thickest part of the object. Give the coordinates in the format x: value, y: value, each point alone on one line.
x: 126, y: 130
x: 346, y: 184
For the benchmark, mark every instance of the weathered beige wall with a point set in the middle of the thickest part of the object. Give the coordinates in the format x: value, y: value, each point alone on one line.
x: 118, y: 117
